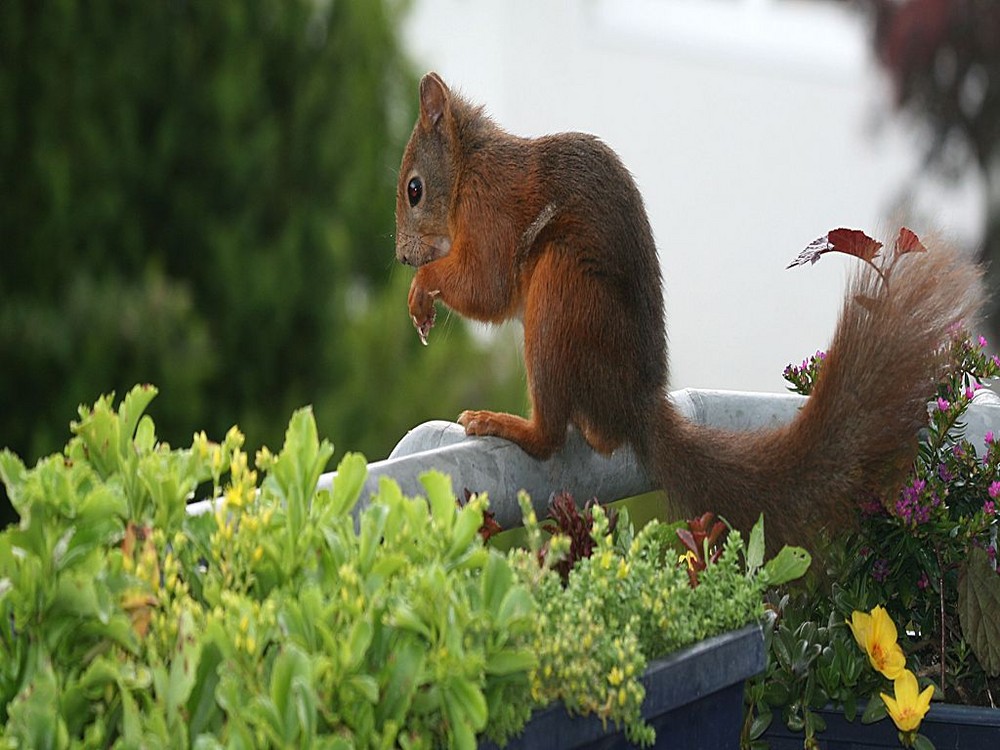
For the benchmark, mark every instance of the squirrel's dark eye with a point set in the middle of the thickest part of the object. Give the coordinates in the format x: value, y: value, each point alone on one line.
x: 415, y: 190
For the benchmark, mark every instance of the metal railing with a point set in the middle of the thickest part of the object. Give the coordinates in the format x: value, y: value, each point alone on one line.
x: 502, y: 470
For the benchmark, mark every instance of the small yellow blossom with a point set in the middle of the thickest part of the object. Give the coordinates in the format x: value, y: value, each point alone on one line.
x: 690, y: 558
x: 200, y: 445
x: 908, y: 707
x: 876, y: 634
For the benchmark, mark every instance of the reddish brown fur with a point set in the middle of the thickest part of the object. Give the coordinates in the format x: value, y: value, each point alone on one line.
x: 553, y: 231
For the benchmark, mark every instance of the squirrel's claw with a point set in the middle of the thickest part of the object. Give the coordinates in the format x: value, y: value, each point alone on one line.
x: 422, y: 311
x: 423, y: 327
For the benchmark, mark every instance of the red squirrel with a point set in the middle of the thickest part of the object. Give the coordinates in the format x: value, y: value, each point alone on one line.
x: 553, y: 231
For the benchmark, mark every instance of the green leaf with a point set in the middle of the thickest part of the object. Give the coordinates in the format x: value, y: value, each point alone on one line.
x: 470, y: 519
x: 13, y: 474
x: 291, y: 680
x: 131, y: 722
x: 789, y: 564
x: 755, y: 547
x: 130, y: 411
x: 145, y: 435
x: 517, y: 607
x: 920, y: 742
x: 34, y: 719
x: 352, y: 471
x: 183, y: 668
x: 760, y: 724
x: 468, y: 699
x: 402, y: 672
x: 441, y: 499
x: 979, y: 609
x: 297, y: 468
x: 372, y: 525
x: 495, y: 580
x: 874, y: 711
x: 507, y: 662
x: 366, y: 686
x: 357, y: 644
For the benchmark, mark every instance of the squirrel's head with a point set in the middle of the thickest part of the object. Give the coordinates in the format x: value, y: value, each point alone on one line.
x: 424, y: 192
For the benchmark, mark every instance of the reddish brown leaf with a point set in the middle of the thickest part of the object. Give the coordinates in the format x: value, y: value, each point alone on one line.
x: 565, y: 518
x: 850, y: 241
x: 908, y: 242
x: 854, y: 242
x: 699, y: 537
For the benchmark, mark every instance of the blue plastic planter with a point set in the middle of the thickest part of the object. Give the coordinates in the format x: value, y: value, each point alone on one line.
x: 949, y: 727
x: 694, y: 700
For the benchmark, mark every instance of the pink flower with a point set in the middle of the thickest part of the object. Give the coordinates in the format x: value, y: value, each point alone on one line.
x: 989, y: 437
x: 923, y: 582
x: 982, y: 342
x: 994, y: 490
x: 989, y: 508
x: 943, y: 404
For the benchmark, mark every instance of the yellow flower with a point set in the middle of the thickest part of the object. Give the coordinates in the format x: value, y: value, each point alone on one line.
x: 876, y: 634
x: 908, y: 707
x: 690, y: 558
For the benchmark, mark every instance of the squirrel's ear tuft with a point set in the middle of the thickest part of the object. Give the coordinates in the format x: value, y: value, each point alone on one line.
x: 433, y: 99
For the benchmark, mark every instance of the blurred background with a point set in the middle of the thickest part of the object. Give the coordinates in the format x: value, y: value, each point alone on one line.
x: 200, y: 195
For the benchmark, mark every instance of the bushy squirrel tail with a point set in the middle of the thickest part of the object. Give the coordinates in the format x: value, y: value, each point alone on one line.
x: 856, y: 433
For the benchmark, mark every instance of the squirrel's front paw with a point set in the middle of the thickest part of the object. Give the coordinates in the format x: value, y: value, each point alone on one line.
x: 422, y: 312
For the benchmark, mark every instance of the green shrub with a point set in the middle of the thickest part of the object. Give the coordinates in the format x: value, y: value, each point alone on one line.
x: 268, y: 622
x: 288, y: 616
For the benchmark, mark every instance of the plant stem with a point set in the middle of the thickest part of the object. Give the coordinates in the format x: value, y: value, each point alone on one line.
x: 937, y: 555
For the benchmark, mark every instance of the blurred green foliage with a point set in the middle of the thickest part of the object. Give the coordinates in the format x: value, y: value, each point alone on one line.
x: 200, y: 196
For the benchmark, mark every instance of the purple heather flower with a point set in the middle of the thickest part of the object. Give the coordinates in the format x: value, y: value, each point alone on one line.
x: 880, y: 570
x: 911, y: 508
x: 944, y: 473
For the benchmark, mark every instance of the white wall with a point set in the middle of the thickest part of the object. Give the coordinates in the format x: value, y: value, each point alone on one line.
x: 751, y: 126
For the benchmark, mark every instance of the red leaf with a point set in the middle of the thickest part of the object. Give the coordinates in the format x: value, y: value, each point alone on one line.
x: 854, y: 242
x: 687, y: 538
x: 849, y: 241
x: 908, y: 242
